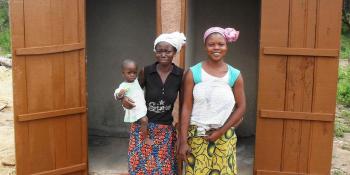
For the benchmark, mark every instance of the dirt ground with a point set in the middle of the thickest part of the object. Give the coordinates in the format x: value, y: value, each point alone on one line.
x: 341, y: 146
x: 7, y: 155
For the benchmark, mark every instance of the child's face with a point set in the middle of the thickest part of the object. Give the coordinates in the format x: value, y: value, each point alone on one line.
x: 130, y: 72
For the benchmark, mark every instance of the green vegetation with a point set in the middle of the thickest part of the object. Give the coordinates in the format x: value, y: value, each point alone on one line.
x: 343, y: 94
x: 342, y: 122
x: 5, y: 47
x: 345, y: 43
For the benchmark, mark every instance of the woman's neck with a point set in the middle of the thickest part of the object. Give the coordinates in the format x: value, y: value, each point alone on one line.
x: 215, y: 64
x: 164, y: 68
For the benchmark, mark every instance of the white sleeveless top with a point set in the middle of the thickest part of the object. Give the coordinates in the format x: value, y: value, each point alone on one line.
x: 213, y: 101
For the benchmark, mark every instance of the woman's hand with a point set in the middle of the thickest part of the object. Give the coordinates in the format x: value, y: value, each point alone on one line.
x: 128, y: 103
x: 183, y: 151
x: 214, y: 135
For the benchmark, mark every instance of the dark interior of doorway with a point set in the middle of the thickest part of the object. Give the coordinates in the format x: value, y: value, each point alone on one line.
x: 126, y: 29
x: 116, y: 30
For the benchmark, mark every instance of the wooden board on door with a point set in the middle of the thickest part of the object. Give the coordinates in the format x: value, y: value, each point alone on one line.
x: 48, y: 44
x: 298, y: 67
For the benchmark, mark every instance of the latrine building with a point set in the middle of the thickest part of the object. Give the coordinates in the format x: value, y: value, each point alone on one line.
x: 66, y: 64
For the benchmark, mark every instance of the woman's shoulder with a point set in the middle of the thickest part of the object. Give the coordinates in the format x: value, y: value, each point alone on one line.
x: 232, y: 67
x: 178, y: 70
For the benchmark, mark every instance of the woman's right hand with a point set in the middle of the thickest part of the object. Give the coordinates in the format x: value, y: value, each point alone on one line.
x: 183, y: 151
x: 128, y: 103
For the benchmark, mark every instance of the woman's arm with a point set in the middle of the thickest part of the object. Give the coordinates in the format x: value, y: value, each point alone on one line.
x: 237, y: 114
x: 141, y: 78
x: 186, y: 111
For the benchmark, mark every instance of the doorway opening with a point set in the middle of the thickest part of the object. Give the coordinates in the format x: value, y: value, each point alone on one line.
x: 243, y: 55
x: 116, y: 30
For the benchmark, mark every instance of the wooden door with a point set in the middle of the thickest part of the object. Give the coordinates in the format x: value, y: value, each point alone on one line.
x: 298, y: 67
x: 48, y: 44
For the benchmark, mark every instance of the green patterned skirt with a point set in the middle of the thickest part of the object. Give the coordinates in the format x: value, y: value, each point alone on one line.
x: 211, y: 158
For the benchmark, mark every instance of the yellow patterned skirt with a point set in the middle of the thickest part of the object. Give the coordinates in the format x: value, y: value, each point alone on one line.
x: 211, y: 158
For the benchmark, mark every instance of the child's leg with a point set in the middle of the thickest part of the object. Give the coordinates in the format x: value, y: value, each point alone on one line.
x: 144, y: 130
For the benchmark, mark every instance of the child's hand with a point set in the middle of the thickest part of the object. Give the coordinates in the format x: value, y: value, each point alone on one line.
x: 122, y: 93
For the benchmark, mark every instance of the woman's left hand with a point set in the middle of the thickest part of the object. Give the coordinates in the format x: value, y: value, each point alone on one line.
x: 214, y: 135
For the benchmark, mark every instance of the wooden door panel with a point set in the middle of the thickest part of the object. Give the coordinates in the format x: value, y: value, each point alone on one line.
x: 307, y: 52
x: 299, y: 84
x: 48, y: 40
x: 325, y: 84
x: 272, y: 84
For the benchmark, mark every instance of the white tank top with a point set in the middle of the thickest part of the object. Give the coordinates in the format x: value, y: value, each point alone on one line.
x: 213, y: 101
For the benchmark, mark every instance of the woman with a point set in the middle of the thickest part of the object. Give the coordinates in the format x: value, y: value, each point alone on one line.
x: 214, y: 102
x: 162, y: 82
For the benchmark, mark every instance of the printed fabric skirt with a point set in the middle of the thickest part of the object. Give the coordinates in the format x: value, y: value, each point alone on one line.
x: 158, y: 158
x: 212, y: 158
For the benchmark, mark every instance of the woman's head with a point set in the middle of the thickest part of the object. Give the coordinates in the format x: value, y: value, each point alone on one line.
x: 215, y: 40
x: 167, y: 45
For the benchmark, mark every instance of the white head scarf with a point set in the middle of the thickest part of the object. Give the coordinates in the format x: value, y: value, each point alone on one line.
x: 176, y: 39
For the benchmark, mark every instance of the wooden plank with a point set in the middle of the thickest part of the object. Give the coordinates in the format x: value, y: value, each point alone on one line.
x: 59, y: 123
x: 37, y: 23
x: 267, y: 172
x: 331, y: 53
x: 39, y: 72
x: 297, y: 115
x: 39, y: 83
x: 74, y: 140
x: 16, y: 9
x: 49, y: 49
x: 325, y: 85
x: 305, y: 130
x: 299, y: 82
x: 65, y: 170
x: 82, y: 61
x: 75, y: 82
x: 183, y: 30
x: 50, y: 114
x: 272, y: 70
x: 41, y: 148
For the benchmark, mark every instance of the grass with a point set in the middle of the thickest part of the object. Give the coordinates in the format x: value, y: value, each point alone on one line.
x: 345, y: 42
x: 345, y: 46
x: 342, y: 122
x: 5, y: 47
x: 338, y: 172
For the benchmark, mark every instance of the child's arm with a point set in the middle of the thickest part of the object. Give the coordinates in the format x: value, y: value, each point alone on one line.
x: 120, y: 92
x: 119, y: 95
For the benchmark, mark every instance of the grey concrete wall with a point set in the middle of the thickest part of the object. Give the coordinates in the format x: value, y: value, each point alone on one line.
x: 116, y: 30
x: 243, y: 54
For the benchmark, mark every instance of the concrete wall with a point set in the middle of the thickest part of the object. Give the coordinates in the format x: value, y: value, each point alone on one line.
x: 115, y: 30
x: 127, y: 29
x: 243, y: 54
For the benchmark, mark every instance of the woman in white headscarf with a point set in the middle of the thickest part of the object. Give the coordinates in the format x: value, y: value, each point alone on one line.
x: 161, y: 82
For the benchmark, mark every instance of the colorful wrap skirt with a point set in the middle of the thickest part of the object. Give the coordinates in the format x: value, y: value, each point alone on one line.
x: 158, y: 158
x: 212, y: 158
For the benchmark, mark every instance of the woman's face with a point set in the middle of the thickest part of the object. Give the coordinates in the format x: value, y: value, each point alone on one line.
x: 165, y: 53
x: 216, y: 46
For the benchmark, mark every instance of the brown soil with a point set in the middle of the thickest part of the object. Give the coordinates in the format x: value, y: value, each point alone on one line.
x: 7, y: 155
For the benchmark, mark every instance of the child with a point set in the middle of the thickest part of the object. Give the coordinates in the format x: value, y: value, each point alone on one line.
x: 132, y: 89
